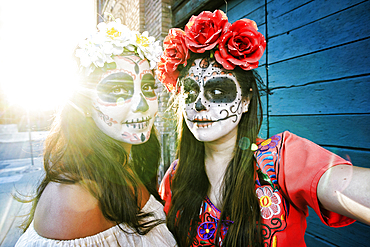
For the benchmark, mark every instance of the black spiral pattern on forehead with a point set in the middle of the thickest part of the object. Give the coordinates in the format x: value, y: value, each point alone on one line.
x: 204, y: 64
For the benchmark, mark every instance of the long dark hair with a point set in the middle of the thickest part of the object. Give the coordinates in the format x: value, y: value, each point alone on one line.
x: 190, y: 183
x: 77, y: 151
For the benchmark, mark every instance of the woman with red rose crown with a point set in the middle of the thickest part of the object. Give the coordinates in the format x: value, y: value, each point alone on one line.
x: 228, y: 187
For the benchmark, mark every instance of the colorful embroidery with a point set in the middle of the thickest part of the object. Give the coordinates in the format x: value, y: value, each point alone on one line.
x: 274, y: 241
x: 270, y: 228
x: 209, y: 218
x: 207, y: 230
x: 272, y: 205
x: 266, y: 169
x: 266, y: 157
x: 269, y: 143
x: 269, y: 202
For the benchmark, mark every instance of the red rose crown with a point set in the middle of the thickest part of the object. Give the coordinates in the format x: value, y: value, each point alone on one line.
x: 237, y: 44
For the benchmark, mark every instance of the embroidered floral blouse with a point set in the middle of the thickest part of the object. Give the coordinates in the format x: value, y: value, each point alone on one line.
x: 287, y: 173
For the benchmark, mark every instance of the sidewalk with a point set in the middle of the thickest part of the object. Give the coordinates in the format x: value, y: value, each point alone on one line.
x: 17, y: 177
x: 22, y: 136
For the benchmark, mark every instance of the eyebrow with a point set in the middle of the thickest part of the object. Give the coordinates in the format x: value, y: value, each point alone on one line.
x: 189, y: 81
x: 212, y: 78
x: 141, y: 61
x: 117, y: 72
x: 146, y: 72
x: 214, y: 82
x: 192, y: 78
x: 121, y: 77
x: 126, y: 82
x: 229, y: 76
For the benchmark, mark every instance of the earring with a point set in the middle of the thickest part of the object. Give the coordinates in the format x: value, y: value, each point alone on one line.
x: 245, y: 106
x: 87, y: 114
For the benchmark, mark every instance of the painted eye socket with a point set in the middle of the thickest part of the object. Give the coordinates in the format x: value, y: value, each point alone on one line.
x: 215, y: 93
x: 118, y: 90
x: 148, y: 89
x: 191, y: 89
x: 148, y: 85
x: 191, y: 96
x: 115, y: 86
x: 220, y: 90
x: 111, y: 92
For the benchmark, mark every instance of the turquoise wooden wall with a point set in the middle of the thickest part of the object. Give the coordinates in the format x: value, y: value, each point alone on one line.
x: 317, y: 68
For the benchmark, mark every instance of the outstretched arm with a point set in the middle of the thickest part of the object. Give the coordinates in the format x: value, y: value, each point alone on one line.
x: 345, y: 190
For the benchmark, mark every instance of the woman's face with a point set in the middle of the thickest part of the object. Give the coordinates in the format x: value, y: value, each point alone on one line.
x: 214, y: 102
x: 124, y: 102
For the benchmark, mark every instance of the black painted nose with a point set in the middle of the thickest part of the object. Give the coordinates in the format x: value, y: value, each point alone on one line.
x: 199, y: 106
x: 142, y: 105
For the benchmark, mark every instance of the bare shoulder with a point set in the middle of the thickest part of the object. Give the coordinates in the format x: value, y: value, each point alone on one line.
x: 68, y: 212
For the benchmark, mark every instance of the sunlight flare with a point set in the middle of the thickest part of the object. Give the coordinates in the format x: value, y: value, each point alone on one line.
x: 37, y: 68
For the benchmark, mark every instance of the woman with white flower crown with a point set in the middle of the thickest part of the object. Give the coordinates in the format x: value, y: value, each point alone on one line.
x: 229, y: 187
x: 102, y: 154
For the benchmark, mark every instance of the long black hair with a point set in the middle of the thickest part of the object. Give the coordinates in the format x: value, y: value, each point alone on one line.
x: 76, y: 151
x: 190, y: 183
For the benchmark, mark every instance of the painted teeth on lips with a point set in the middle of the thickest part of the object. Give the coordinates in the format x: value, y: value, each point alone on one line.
x: 203, y: 122
x: 138, y: 123
x: 204, y: 125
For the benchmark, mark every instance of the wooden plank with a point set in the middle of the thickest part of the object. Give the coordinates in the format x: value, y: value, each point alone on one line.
x: 357, y: 157
x: 264, y: 128
x: 344, y: 61
x: 264, y: 104
x: 252, y: 9
x: 356, y: 234
x: 188, y: 8
x: 329, y: 130
x: 332, y: 31
x: 314, y: 241
x: 176, y: 3
x: 277, y: 8
x: 230, y: 5
x: 291, y: 14
x: 263, y: 131
x: 340, y: 96
x: 262, y: 72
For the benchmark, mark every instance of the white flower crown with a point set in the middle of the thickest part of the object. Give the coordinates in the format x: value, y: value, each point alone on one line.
x: 112, y: 39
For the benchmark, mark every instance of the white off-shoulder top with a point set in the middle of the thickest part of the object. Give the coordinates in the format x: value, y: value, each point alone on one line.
x: 114, y: 236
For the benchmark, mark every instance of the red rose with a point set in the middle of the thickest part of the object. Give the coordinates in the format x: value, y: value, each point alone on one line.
x: 203, y: 31
x: 168, y: 78
x: 175, y: 50
x: 242, y: 45
x: 175, y: 53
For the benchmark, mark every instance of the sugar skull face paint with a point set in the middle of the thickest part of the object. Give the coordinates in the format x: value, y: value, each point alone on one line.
x: 124, y: 101
x: 213, y: 100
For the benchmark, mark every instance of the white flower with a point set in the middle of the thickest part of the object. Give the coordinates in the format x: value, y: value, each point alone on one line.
x: 112, y: 39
